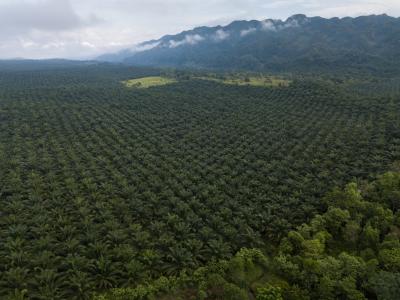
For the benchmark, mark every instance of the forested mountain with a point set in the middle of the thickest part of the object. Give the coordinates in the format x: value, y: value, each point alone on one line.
x: 369, y: 43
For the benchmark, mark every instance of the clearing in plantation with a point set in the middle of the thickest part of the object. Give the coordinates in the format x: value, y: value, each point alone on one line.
x: 248, y: 80
x: 147, y: 82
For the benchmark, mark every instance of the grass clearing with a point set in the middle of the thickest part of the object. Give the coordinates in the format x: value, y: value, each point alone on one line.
x: 147, y: 82
x: 260, y: 81
x: 237, y: 79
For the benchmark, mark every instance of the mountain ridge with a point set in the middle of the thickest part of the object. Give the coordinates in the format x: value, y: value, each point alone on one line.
x: 299, y: 42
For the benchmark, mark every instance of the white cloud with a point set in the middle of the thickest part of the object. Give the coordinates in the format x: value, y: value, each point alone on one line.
x: 27, y: 43
x: 247, y: 31
x: 220, y: 35
x: 268, y: 25
x: 188, y: 40
x: 50, y: 15
x: 290, y: 24
x: 88, y: 44
x: 145, y: 47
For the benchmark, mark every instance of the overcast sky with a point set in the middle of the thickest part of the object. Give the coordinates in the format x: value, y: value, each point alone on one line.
x: 86, y: 28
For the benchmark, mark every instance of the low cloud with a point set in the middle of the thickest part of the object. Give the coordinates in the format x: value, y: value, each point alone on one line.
x: 268, y: 25
x: 190, y: 39
x: 220, y: 35
x: 273, y: 25
x: 145, y: 47
x: 247, y: 31
x: 290, y: 24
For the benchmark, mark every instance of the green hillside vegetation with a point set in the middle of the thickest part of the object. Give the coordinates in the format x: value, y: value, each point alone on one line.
x: 104, y: 187
x: 300, y: 44
x: 147, y: 82
x: 352, y: 251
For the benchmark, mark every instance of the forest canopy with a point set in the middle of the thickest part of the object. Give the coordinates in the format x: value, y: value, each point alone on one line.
x: 351, y: 251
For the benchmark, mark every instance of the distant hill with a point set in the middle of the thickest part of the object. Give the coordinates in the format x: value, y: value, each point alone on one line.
x: 370, y: 43
x: 41, y: 64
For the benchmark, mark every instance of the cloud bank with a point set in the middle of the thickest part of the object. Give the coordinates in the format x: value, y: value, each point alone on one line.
x: 49, y: 15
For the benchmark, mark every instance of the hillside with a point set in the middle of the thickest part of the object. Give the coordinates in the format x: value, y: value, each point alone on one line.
x: 300, y: 43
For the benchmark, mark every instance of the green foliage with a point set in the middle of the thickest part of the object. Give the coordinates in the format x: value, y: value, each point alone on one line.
x: 390, y: 259
x: 224, y: 280
x: 385, y: 285
x: 144, y: 192
x: 387, y: 189
x: 338, y: 268
x: 162, y: 285
x: 309, y: 265
x: 269, y: 293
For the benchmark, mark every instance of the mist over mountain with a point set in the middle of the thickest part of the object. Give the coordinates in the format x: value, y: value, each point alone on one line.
x: 298, y: 43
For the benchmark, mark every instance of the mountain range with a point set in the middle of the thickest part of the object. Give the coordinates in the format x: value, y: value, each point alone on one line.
x: 371, y: 43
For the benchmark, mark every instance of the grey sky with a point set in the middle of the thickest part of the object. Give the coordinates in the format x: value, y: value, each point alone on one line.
x: 86, y: 28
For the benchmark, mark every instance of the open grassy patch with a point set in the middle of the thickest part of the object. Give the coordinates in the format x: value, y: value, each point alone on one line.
x: 147, y: 82
x: 243, y: 80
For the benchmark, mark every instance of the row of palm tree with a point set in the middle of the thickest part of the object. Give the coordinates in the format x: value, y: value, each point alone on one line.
x: 102, y: 186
